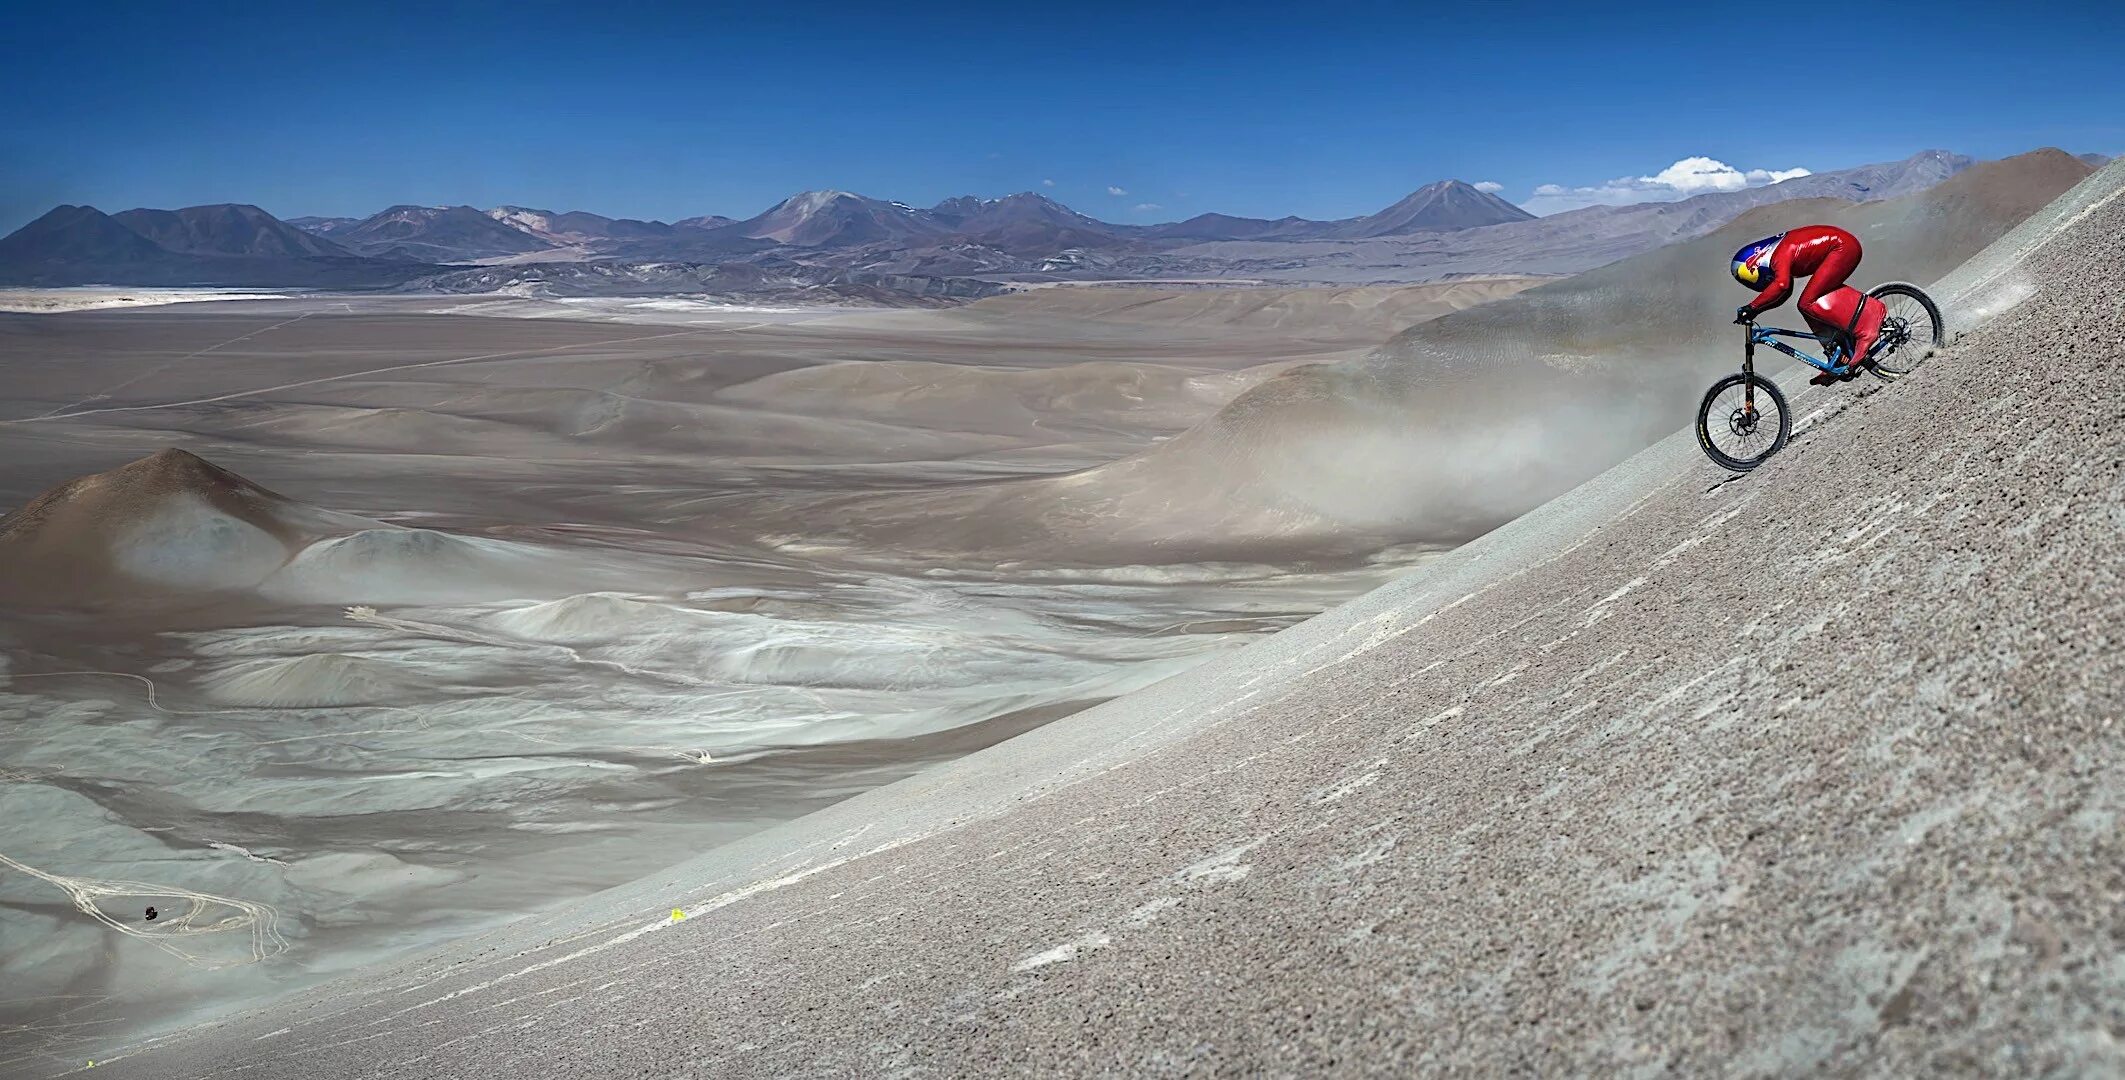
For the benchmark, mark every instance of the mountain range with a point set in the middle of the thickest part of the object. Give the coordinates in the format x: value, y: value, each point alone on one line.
x: 222, y: 244
x: 835, y: 239
x: 1563, y: 243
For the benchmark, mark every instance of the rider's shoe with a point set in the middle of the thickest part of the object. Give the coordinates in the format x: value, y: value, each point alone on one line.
x: 1867, y: 328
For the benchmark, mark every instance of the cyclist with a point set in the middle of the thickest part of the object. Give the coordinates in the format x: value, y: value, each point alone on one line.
x: 1826, y: 255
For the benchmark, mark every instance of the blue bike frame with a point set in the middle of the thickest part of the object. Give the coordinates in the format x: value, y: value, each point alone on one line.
x: 1769, y: 335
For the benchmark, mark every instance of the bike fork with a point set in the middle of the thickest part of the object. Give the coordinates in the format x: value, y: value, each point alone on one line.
x: 1748, y: 372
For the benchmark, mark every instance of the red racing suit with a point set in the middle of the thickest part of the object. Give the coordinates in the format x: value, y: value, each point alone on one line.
x: 1826, y: 255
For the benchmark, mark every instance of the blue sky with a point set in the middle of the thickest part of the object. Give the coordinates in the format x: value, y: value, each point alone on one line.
x: 1321, y: 110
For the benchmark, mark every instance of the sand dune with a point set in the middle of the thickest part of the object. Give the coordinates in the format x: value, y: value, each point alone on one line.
x: 593, y: 618
x: 314, y: 681
x: 167, y: 523
x: 173, y: 527
x: 406, y: 566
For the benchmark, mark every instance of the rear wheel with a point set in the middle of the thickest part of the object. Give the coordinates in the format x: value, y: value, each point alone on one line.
x: 1742, y: 421
x: 1911, y: 329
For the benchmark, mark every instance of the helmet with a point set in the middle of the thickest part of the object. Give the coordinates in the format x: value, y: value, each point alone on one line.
x: 1752, y: 264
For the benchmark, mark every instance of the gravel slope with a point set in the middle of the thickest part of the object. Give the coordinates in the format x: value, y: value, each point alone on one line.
x: 1819, y: 768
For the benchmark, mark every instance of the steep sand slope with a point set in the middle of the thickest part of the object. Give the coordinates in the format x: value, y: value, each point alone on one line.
x: 1817, y: 768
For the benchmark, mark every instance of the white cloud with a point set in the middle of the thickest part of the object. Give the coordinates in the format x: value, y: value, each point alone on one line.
x: 1687, y: 177
x: 1117, y: 191
x: 1147, y: 207
x: 1047, y: 183
x: 1489, y: 187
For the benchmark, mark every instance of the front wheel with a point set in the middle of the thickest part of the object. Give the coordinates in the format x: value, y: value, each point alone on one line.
x: 1742, y: 421
x: 1911, y: 330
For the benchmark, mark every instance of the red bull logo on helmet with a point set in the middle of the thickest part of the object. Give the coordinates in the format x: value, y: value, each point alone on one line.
x: 1752, y: 264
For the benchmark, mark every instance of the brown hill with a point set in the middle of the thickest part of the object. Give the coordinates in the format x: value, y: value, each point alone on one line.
x: 168, y: 523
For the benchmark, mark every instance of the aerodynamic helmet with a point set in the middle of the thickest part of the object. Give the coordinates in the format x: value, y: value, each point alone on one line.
x: 1752, y: 264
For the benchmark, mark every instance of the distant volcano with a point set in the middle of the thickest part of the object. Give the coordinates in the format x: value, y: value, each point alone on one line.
x: 1024, y: 224
x: 227, y: 229
x: 840, y: 219
x: 436, y: 234
x: 1442, y: 207
x: 1446, y: 206
x: 576, y: 226
x: 79, y: 236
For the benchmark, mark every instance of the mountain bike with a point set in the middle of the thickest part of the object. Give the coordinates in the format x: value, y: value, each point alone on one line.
x: 1744, y: 418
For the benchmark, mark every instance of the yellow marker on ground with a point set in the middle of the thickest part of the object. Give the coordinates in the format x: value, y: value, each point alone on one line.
x: 676, y: 914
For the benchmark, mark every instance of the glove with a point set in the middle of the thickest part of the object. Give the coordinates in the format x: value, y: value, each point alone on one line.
x: 1743, y: 314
